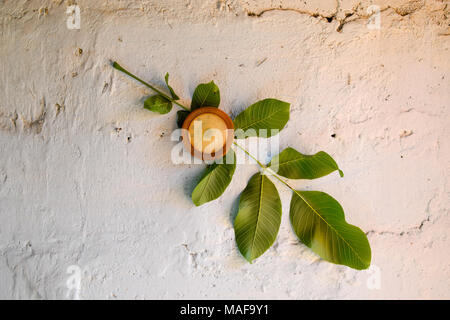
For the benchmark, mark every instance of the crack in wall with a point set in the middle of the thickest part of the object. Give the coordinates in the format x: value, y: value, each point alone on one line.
x: 355, y: 12
x: 410, y: 231
x: 193, y: 255
x: 36, y: 124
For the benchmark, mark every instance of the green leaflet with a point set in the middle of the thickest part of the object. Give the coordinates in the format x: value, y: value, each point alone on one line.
x: 205, y: 95
x: 214, y: 181
x: 294, y: 165
x: 259, y: 216
x: 158, y: 103
x: 172, y: 93
x: 265, y: 114
x: 319, y: 222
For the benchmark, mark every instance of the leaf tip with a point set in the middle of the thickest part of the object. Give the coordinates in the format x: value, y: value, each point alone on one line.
x: 247, y: 255
x: 341, y: 173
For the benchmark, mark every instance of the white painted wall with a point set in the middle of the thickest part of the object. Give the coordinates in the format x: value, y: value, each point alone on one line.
x: 85, y: 172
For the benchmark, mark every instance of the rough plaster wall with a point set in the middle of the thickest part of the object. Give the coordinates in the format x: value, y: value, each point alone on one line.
x: 85, y: 172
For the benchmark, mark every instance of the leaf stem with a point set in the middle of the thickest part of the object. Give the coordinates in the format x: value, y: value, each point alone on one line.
x: 120, y: 68
x: 264, y: 167
x: 248, y: 153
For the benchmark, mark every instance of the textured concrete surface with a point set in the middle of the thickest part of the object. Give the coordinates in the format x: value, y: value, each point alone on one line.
x: 85, y: 172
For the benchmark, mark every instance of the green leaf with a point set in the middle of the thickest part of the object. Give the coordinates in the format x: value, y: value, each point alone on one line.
x: 319, y: 222
x: 259, y: 216
x: 214, y: 181
x: 265, y: 114
x: 172, y: 93
x: 294, y: 165
x: 205, y: 95
x: 181, y: 116
x: 158, y: 103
